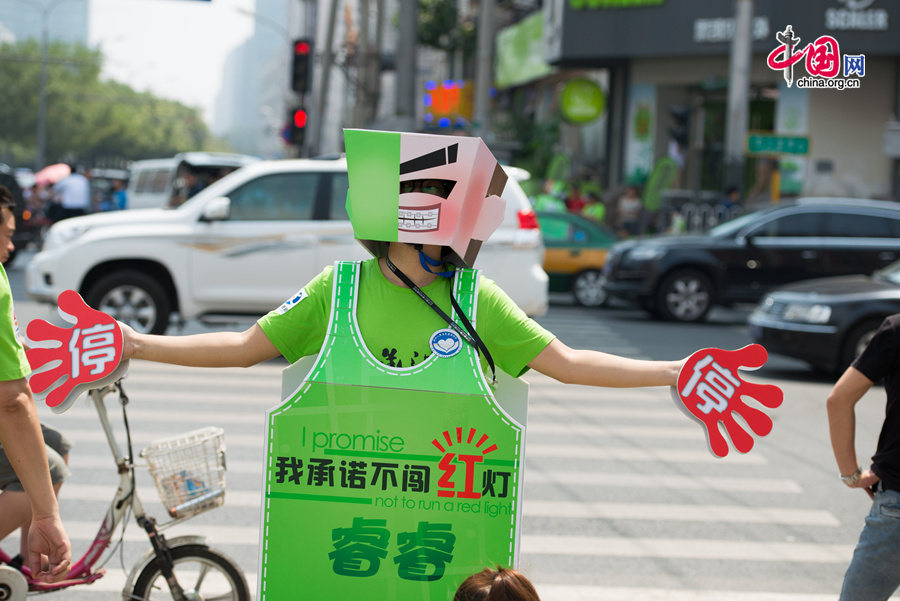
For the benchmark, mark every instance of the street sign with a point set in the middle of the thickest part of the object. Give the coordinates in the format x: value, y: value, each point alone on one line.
x: 763, y: 143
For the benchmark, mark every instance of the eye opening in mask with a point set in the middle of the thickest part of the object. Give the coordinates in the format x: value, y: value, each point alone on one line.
x: 434, y: 187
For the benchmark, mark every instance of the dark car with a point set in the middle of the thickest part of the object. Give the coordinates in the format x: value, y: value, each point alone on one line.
x: 681, y: 277
x: 575, y: 253
x: 826, y: 322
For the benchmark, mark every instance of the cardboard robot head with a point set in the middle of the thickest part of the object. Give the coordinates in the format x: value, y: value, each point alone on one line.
x: 423, y: 189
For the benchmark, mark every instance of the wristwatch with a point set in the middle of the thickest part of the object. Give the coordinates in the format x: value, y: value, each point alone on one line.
x: 852, y: 478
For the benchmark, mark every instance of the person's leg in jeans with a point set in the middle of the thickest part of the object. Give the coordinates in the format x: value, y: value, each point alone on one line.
x: 873, y: 574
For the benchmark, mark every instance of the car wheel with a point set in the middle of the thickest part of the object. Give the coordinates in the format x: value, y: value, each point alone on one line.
x: 856, y: 341
x: 133, y: 298
x: 587, y: 287
x: 684, y: 295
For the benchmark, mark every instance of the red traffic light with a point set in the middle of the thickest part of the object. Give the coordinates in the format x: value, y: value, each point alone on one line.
x: 302, y: 47
x: 300, y: 118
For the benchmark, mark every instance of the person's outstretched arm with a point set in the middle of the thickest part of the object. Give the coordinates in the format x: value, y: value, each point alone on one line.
x: 593, y: 368
x: 215, y: 349
x: 49, y: 550
x: 841, y: 403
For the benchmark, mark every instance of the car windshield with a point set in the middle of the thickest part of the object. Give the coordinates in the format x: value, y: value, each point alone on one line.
x: 891, y: 273
x: 730, y: 228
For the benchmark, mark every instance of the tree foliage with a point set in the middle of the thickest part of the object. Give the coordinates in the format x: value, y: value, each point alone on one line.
x: 537, y: 138
x: 87, y: 120
x: 441, y: 28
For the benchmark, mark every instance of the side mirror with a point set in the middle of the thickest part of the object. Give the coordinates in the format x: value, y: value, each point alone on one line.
x: 217, y: 209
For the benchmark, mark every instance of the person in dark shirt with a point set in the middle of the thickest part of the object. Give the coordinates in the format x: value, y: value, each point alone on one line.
x: 873, y: 573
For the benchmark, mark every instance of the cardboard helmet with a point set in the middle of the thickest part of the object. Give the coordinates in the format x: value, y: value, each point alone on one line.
x: 423, y: 189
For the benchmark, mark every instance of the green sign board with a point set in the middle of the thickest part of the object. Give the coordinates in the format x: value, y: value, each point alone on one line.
x: 520, y: 52
x: 375, y: 490
x: 770, y: 143
x: 582, y: 100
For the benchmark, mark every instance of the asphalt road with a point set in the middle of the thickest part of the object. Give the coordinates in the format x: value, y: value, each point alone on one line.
x: 622, y: 498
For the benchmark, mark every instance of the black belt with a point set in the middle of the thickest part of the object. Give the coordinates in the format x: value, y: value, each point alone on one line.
x: 880, y: 486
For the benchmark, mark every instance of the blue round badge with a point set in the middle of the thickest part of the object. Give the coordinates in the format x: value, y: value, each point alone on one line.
x: 445, y: 343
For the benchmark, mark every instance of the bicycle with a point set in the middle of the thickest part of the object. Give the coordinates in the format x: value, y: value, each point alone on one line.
x: 189, y: 471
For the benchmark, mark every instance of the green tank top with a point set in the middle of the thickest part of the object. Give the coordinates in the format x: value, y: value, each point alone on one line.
x: 389, y: 483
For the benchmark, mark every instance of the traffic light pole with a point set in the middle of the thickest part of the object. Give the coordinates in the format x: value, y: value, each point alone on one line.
x: 484, y: 68
x: 313, y: 141
x: 738, y: 94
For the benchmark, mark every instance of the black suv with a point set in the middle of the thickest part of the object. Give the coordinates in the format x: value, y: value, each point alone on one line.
x: 680, y: 277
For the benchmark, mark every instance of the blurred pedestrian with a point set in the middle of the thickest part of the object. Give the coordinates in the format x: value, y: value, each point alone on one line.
x: 594, y: 209
x: 73, y: 194
x: 575, y: 201
x: 729, y: 205
x: 874, y: 571
x: 119, y: 195
x: 550, y: 198
x: 629, y: 211
x: 502, y: 584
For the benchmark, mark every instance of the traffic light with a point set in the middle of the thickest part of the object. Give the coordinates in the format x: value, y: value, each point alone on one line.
x: 297, y: 126
x: 302, y: 66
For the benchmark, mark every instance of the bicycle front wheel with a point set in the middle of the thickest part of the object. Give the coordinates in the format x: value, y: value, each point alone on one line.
x: 202, y: 572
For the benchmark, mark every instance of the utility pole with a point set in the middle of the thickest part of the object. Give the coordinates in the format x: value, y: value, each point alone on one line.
x: 406, y: 67
x: 484, y: 67
x: 327, y: 54
x: 362, y: 66
x: 738, y: 94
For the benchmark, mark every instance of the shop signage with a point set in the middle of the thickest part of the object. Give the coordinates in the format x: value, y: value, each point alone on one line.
x: 857, y: 15
x: 593, y: 4
x: 582, y: 100
x: 722, y: 29
x: 761, y: 143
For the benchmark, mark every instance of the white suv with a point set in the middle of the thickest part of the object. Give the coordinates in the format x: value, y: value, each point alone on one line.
x: 245, y: 244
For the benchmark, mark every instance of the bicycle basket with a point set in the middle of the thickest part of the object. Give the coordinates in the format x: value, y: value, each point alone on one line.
x: 189, y: 471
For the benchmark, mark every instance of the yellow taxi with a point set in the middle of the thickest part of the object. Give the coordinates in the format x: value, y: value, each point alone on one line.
x: 576, y: 250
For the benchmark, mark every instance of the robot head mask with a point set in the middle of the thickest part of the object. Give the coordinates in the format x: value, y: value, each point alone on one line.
x: 423, y: 189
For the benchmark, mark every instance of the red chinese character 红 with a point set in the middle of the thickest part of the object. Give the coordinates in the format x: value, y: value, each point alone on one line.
x: 76, y: 359
x: 823, y: 57
x: 710, y: 391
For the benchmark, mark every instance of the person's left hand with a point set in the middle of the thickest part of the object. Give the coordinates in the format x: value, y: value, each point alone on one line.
x: 866, y: 481
x: 49, y: 550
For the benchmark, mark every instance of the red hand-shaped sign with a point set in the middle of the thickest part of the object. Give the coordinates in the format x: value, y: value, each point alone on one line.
x: 710, y: 391
x: 84, y: 357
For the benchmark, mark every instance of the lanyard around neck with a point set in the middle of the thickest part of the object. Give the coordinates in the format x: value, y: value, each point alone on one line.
x: 469, y: 334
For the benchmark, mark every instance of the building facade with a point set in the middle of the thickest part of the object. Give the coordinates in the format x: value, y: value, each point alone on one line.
x: 816, y: 126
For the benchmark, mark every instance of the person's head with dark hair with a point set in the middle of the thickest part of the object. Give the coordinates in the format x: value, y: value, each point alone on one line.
x: 501, y: 584
x: 7, y: 222
x: 7, y: 200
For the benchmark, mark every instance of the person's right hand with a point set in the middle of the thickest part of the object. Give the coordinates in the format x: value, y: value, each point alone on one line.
x: 49, y: 550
